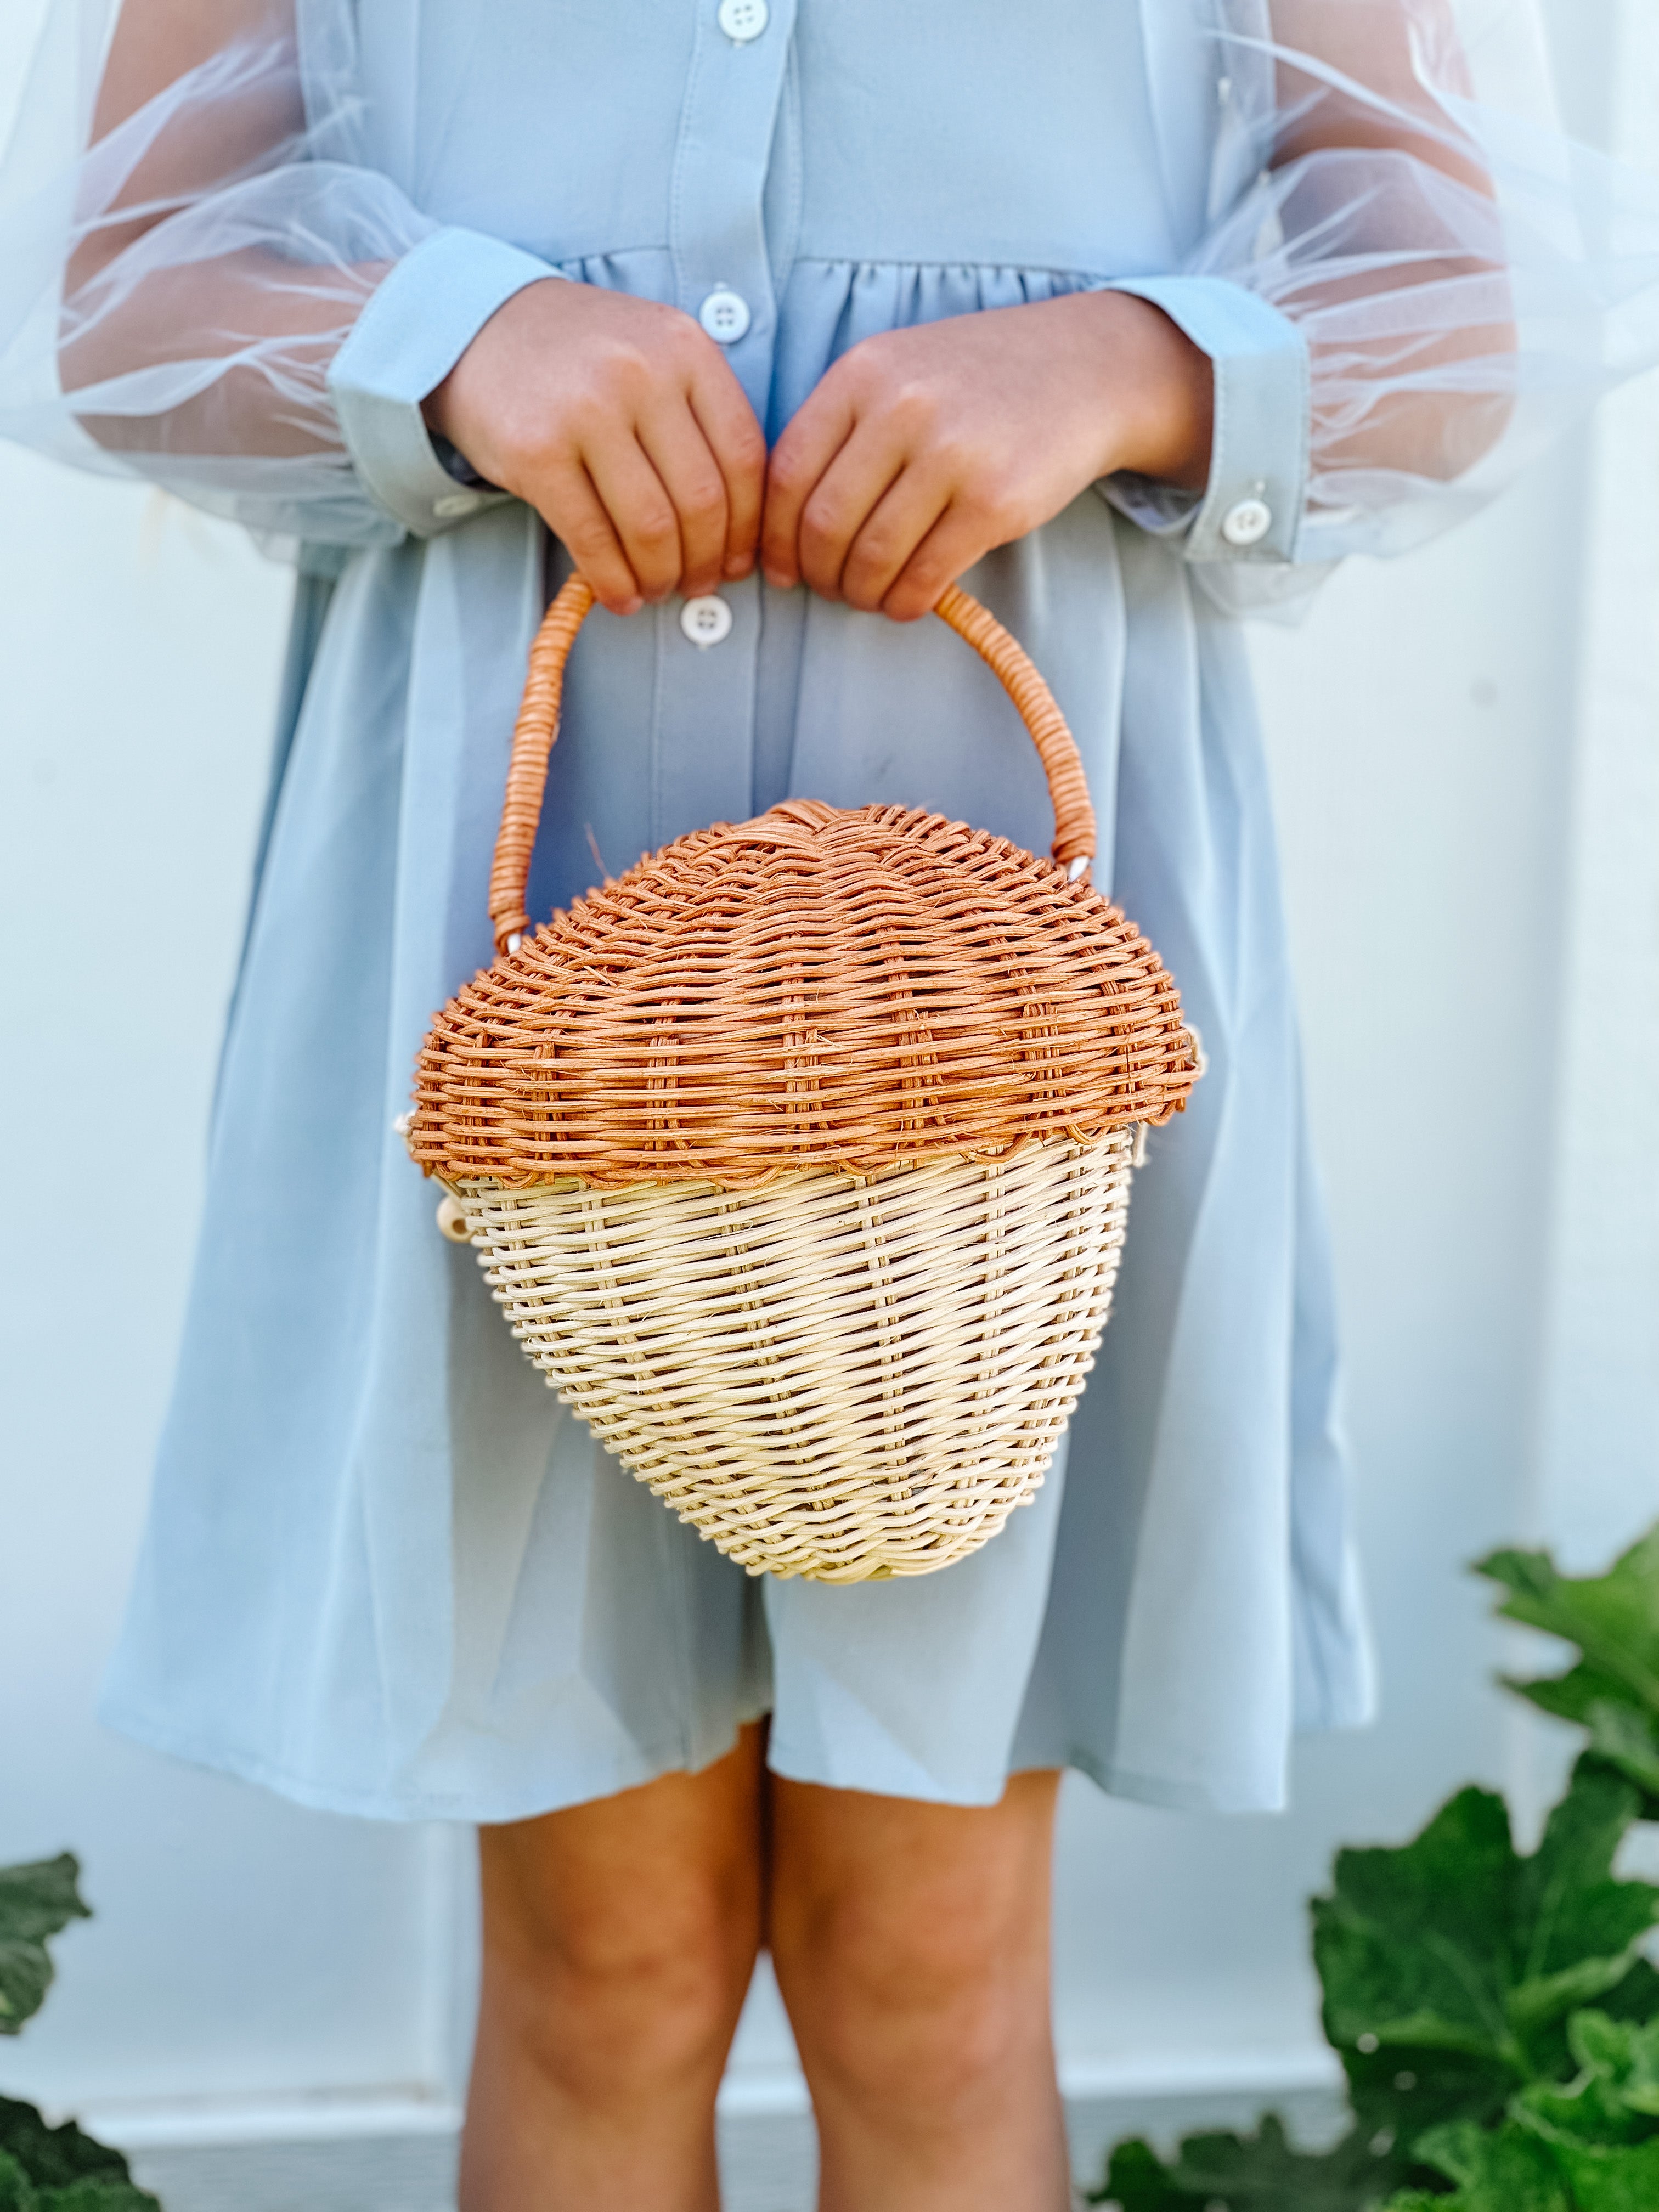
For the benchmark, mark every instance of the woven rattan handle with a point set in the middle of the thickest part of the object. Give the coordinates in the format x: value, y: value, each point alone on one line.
x: 1068, y: 786
x: 538, y: 725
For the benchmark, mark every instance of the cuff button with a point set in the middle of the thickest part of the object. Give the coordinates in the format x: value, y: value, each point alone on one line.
x: 1248, y: 523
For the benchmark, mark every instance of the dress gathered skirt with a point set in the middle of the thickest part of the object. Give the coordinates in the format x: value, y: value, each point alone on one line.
x: 385, y: 1571
x: 439, y: 1595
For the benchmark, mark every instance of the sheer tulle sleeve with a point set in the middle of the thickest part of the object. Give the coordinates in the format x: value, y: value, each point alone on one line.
x: 1408, y: 279
x: 1450, y: 282
x: 193, y: 255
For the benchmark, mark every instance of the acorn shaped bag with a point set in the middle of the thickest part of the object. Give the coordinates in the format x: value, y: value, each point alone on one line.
x: 797, y: 1158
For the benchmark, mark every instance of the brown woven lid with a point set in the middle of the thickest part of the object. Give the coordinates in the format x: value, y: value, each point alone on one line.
x: 818, y: 989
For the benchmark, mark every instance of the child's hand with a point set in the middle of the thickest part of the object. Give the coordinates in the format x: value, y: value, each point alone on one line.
x: 924, y: 447
x: 622, y: 423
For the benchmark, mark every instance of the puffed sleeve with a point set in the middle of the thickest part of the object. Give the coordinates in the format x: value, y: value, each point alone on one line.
x: 203, y: 282
x: 1408, y: 279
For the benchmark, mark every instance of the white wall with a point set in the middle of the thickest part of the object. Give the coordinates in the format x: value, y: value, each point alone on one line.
x: 1470, y: 817
x: 242, y: 1946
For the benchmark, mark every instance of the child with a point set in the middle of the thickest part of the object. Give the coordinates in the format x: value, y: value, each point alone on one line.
x: 774, y: 317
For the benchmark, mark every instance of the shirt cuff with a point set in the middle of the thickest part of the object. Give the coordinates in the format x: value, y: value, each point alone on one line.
x: 417, y: 324
x: 1251, y: 508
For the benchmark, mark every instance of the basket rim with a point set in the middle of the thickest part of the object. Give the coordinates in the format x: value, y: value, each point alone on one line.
x: 461, y: 1187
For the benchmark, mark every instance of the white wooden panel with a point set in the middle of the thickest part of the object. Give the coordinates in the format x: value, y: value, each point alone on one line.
x: 1599, y: 1458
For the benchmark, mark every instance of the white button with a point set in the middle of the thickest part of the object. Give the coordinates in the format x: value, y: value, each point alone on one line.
x: 1248, y: 523
x: 457, y: 502
x: 742, y: 20
x: 707, y: 621
x: 724, y: 314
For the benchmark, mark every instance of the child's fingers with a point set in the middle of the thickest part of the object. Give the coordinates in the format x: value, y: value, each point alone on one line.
x: 575, y: 512
x: 640, y: 511
x: 677, y: 449
x: 951, y: 548
x: 799, y: 460
x: 738, y: 445
x: 857, y: 481
x: 891, y: 533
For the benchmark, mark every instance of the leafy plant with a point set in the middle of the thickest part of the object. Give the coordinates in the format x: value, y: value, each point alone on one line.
x: 45, y: 2169
x: 36, y: 1902
x: 1261, y: 2172
x: 1614, y: 1619
x: 1455, y: 1945
x: 1590, y: 2147
x: 1496, y: 2020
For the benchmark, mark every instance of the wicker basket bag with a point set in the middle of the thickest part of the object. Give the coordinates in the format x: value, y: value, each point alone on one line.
x: 798, y: 1156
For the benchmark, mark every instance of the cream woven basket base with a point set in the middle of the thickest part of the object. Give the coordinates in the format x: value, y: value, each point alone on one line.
x: 839, y: 1377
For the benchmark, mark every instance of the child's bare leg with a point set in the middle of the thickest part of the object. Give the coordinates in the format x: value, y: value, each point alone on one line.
x: 619, y: 1942
x: 912, y: 1944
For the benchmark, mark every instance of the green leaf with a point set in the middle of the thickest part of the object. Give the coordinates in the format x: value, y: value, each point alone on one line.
x: 1137, y: 2180
x: 1457, y: 2151
x: 1627, y: 2054
x: 1634, y: 2000
x: 1590, y: 2147
x: 98, y: 2197
x: 1570, y: 1697
x: 1590, y: 2112
x: 1508, y: 2170
x: 1580, y: 1926
x: 1628, y: 1740
x: 1413, y: 2091
x: 1611, y: 2180
x: 1452, y: 1959
x: 36, y: 1901
x: 1636, y: 1997
x: 54, y: 2158
x: 16, y: 2190
x: 1606, y: 2176
x: 1613, y: 1619
x: 1261, y: 2172
x: 1614, y: 2101
x: 1414, y: 1946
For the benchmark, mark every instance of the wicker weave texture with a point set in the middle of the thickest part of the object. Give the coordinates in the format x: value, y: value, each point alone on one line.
x: 834, y: 1377
x: 818, y: 988
x: 847, y: 989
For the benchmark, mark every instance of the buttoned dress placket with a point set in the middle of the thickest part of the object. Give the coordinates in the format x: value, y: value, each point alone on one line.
x: 707, y: 649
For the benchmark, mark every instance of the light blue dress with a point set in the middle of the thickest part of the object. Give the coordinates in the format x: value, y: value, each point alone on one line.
x: 385, y: 1571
